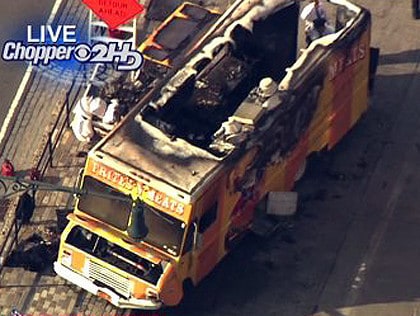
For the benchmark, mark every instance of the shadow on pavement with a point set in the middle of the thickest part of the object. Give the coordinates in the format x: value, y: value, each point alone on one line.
x: 410, y: 56
x: 35, y: 253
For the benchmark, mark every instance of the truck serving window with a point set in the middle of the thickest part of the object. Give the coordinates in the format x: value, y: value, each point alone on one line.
x: 208, y: 218
x: 110, y: 211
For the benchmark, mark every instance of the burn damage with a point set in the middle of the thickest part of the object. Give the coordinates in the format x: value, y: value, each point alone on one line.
x: 210, y: 88
x: 215, y: 107
x: 168, y: 47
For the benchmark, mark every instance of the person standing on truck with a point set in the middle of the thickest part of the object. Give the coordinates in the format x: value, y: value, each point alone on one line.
x: 229, y: 131
x: 112, y: 112
x: 316, y: 21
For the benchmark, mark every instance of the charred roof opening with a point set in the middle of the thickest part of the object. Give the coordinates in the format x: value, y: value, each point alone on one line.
x: 212, y: 90
x: 178, y: 32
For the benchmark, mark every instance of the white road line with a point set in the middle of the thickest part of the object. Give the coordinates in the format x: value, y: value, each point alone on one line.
x: 24, y: 82
x: 15, y: 102
x: 378, y: 236
x: 54, y: 11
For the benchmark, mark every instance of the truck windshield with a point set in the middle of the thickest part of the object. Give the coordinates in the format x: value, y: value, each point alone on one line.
x: 111, y: 211
x: 164, y: 231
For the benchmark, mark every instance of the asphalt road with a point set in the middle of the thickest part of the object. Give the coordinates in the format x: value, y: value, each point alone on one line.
x: 14, y: 17
x: 353, y: 247
x: 376, y: 271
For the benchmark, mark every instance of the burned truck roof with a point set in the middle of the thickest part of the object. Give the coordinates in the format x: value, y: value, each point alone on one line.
x: 174, y: 135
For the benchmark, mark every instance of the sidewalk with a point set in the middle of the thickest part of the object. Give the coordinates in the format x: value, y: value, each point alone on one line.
x: 30, y: 292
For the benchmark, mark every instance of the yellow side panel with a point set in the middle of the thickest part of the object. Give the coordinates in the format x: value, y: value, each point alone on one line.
x: 360, y: 92
x: 274, y: 178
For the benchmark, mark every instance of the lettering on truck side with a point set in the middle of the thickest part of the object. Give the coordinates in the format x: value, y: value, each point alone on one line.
x: 343, y: 61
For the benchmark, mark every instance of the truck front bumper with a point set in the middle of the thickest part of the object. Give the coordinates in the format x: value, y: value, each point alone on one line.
x: 116, y: 300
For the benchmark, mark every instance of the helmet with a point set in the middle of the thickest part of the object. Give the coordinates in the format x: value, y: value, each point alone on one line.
x: 267, y: 87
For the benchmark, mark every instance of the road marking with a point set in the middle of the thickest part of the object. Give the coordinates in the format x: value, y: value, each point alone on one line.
x: 54, y: 11
x: 377, y: 236
x: 24, y: 82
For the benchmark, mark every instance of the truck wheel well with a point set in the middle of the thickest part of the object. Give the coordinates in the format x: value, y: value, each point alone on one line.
x: 187, y: 285
x: 188, y: 297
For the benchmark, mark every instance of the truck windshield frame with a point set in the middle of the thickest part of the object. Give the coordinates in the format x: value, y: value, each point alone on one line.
x: 165, y: 232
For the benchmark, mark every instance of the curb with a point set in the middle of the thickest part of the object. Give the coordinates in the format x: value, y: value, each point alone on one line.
x: 7, y: 231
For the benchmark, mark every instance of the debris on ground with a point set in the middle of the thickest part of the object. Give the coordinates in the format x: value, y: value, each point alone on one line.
x: 36, y: 253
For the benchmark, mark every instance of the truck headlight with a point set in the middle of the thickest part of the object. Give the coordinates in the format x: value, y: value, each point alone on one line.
x: 66, y: 258
x: 152, y: 294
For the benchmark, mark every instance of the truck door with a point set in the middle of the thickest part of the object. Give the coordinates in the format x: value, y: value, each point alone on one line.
x: 206, y: 253
x: 187, y: 260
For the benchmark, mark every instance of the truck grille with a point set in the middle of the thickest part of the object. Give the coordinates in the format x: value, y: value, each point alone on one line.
x: 109, y: 278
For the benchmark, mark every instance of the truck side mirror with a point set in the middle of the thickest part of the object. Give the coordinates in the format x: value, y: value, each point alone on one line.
x: 198, y: 238
x: 137, y: 228
x: 78, y: 184
x: 79, y: 178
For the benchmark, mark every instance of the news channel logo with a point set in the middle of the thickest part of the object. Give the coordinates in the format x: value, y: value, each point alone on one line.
x: 57, y: 52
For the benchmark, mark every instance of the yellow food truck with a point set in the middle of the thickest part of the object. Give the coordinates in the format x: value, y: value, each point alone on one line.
x: 189, y: 166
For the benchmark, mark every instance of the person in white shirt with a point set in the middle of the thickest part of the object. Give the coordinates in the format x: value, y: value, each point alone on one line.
x: 82, y: 128
x: 97, y: 107
x: 316, y: 21
x: 82, y: 107
x: 82, y: 121
x: 111, y: 114
x: 89, y: 106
